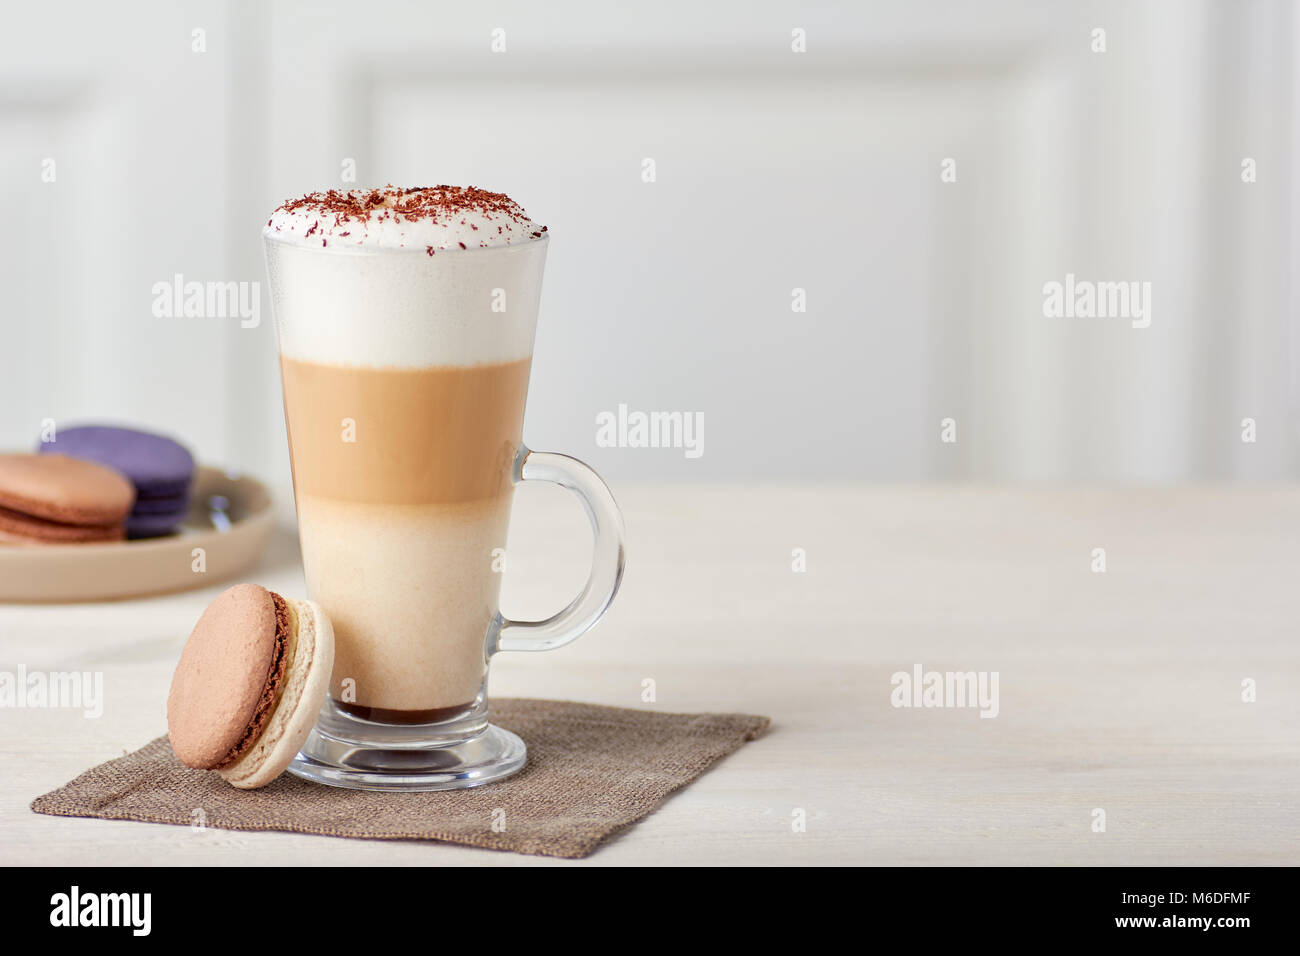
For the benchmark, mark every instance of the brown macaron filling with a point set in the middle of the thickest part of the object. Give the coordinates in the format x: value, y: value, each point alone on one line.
x: 273, y: 684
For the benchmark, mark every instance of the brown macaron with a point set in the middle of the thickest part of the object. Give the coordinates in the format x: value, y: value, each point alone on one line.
x: 55, y: 499
x: 250, y: 681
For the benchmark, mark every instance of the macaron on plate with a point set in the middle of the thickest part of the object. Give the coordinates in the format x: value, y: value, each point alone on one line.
x: 78, y: 530
x: 159, y: 469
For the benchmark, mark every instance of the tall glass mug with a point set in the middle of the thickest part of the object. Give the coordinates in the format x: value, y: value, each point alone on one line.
x: 405, y: 372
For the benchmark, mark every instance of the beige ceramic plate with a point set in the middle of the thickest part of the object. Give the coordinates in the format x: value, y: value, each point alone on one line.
x: 230, y: 519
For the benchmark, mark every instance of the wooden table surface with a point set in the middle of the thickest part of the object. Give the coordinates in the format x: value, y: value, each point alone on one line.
x: 1119, y: 691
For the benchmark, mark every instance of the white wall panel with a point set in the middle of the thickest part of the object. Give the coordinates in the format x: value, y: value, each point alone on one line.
x: 775, y: 170
x: 134, y: 120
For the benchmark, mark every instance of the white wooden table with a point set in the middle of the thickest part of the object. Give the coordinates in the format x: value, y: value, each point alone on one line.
x: 1119, y: 690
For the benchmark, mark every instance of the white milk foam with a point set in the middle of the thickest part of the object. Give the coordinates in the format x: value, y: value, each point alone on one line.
x: 380, y: 298
x: 451, y: 218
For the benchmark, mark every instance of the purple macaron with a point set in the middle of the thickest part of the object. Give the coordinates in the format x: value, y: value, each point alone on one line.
x: 160, y: 468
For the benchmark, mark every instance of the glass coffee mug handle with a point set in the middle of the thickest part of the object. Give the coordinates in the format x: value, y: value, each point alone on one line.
x: 606, y: 563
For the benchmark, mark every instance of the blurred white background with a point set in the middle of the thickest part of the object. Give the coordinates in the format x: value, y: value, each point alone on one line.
x: 776, y: 170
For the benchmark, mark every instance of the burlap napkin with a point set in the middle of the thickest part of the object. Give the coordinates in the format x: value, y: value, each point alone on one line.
x: 591, y: 771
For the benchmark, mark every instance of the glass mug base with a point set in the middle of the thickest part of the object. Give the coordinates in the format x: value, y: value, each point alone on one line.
x: 346, y: 751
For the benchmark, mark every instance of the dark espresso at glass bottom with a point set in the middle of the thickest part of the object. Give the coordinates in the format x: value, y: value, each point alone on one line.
x: 385, y: 716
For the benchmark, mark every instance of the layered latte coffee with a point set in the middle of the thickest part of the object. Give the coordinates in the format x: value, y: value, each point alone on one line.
x: 406, y: 320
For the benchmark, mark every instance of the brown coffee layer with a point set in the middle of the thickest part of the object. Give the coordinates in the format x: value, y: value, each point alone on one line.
x: 404, y: 435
